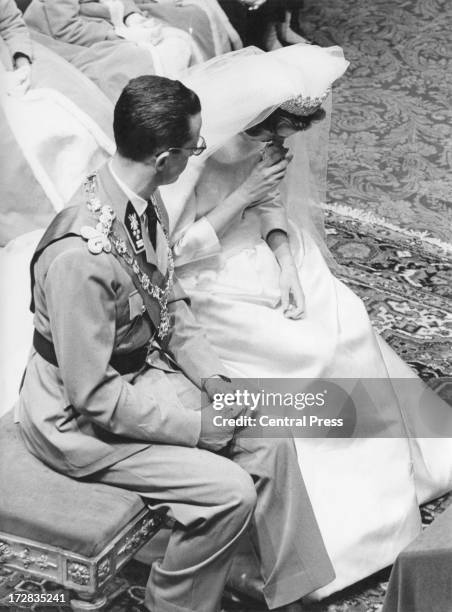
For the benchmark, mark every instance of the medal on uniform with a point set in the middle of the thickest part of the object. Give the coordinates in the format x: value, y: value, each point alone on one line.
x: 133, y: 227
x: 97, y: 240
x: 103, y: 238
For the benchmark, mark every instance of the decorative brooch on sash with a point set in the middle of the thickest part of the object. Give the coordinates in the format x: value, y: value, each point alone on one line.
x: 103, y: 238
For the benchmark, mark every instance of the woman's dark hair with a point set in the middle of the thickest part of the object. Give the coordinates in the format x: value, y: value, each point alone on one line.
x: 281, y: 118
x: 151, y: 115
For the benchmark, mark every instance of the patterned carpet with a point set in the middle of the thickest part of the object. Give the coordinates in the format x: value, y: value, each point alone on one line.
x: 391, y: 140
x: 406, y: 286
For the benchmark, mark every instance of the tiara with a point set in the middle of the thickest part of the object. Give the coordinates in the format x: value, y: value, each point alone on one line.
x: 304, y: 105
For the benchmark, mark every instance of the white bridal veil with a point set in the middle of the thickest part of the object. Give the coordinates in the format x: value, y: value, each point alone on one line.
x: 240, y: 89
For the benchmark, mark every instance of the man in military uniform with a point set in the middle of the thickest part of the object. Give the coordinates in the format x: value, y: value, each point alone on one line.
x: 112, y: 388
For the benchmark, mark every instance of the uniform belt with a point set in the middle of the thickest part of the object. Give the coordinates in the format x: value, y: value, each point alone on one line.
x: 124, y: 364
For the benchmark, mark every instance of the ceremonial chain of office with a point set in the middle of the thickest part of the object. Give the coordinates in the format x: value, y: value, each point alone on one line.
x: 103, y: 237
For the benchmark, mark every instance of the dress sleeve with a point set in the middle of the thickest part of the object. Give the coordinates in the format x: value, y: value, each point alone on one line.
x: 66, y: 23
x: 80, y: 291
x: 198, y: 241
x: 273, y: 215
x: 13, y: 30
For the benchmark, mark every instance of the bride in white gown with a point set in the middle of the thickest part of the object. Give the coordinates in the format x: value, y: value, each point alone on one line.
x: 365, y: 491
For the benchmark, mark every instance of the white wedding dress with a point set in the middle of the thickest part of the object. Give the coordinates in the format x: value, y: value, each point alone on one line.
x: 365, y: 492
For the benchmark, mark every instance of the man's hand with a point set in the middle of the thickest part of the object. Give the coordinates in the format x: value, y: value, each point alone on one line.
x: 218, y: 385
x: 215, y: 437
x: 292, y: 295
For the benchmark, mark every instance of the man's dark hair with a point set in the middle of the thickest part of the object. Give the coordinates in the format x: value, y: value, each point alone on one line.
x: 152, y: 114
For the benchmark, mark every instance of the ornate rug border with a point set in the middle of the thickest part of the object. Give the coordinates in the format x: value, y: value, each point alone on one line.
x: 371, y: 219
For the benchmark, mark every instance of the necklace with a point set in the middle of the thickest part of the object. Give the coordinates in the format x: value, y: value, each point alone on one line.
x: 103, y: 238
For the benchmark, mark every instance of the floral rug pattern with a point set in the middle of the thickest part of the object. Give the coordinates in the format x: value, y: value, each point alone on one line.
x: 406, y: 286
x: 391, y: 133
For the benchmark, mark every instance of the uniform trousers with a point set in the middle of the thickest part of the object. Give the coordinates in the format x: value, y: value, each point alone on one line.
x: 214, y: 499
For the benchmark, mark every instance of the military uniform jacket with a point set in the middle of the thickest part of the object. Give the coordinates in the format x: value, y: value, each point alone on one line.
x: 83, y: 416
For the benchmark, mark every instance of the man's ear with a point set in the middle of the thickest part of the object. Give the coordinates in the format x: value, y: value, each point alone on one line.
x: 160, y: 161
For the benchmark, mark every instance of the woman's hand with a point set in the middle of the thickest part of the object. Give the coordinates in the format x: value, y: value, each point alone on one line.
x: 292, y: 295
x: 274, y: 152
x: 263, y: 179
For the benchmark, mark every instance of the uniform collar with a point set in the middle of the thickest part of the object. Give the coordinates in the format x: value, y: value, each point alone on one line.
x: 112, y: 194
x: 117, y: 198
x: 137, y: 201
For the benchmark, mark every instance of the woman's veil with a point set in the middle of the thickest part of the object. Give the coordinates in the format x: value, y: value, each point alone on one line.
x: 303, y: 189
x: 238, y: 90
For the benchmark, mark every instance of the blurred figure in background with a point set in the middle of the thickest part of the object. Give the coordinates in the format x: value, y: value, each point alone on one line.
x: 55, y: 126
x: 112, y: 41
x: 205, y: 20
x: 50, y: 114
x: 265, y: 23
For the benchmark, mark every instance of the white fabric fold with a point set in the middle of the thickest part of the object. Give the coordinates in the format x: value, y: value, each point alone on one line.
x: 198, y: 242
